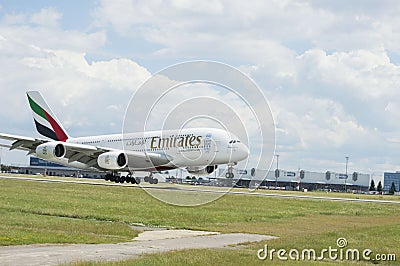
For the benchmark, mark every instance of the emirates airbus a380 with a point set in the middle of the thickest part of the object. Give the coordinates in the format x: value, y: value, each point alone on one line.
x: 199, y: 150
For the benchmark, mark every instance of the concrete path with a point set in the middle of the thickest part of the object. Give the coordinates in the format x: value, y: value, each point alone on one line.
x: 160, y: 241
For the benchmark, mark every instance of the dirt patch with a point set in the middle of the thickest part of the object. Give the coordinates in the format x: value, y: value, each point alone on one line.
x: 169, y: 234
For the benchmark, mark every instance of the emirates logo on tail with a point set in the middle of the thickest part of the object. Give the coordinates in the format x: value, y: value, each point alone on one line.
x: 45, y: 121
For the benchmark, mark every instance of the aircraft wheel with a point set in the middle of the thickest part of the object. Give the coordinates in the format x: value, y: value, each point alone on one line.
x: 146, y: 179
x: 229, y: 175
x: 155, y: 181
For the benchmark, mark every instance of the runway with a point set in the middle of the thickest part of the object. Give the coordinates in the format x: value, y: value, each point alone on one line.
x: 200, y: 189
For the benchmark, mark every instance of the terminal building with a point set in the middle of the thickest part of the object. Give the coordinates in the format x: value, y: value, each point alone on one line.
x: 38, y: 166
x: 389, y: 179
x: 299, y: 180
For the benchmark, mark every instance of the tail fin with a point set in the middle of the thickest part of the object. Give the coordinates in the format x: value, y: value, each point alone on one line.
x: 46, y: 122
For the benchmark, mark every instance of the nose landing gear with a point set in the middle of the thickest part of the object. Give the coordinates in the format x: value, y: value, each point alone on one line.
x: 229, y: 173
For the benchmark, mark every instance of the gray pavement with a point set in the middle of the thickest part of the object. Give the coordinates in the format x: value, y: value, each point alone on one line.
x: 57, y: 254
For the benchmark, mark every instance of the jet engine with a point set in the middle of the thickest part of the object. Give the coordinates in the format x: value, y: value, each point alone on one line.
x: 112, y: 160
x: 50, y: 150
x: 201, y: 170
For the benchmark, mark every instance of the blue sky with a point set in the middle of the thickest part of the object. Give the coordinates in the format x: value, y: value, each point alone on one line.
x: 329, y: 69
x: 75, y: 15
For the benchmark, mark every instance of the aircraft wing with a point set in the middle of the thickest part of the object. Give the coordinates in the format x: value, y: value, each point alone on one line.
x: 88, y: 155
x: 22, y: 143
x: 5, y: 145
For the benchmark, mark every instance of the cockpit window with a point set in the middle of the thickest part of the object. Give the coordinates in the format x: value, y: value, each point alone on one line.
x: 234, y: 141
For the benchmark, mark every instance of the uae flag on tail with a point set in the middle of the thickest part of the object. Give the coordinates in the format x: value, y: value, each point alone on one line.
x: 45, y: 121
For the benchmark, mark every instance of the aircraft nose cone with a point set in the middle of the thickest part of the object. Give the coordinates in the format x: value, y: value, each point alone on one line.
x: 244, y: 151
x: 247, y: 151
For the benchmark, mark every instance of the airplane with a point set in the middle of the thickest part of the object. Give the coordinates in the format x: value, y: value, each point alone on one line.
x: 199, y: 150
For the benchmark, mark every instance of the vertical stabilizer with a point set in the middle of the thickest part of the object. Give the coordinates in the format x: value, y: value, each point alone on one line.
x: 46, y: 122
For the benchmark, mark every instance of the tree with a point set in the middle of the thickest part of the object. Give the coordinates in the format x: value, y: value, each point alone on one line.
x: 379, y: 188
x: 372, y: 186
x: 5, y: 168
x: 392, y: 189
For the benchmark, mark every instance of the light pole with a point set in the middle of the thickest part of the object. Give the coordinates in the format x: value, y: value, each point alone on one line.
x: 345, y: 180
x: 277, y: 170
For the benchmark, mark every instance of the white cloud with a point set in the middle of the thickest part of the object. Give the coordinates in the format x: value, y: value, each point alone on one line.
x: 327, y: 67
x: 335, y: 104
x: 86, y: 90
x: 118, y: 74
x: 11, y: 19
x: 233, y: 29
x: 79, y: 91
x: 47, y: 17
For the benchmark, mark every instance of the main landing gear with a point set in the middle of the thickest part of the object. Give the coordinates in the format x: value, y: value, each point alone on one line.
x: 121, y: 179
x: 150, y: 179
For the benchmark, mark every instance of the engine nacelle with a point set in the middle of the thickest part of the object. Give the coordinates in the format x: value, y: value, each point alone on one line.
x: 112, y: 160
x: 50, y: 150
x: 201, y: 170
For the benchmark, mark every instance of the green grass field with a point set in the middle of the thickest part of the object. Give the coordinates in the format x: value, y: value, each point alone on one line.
x: 34, y: 212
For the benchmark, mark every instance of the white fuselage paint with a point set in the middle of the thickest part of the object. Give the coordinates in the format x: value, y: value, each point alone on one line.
x: 192, y: 147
